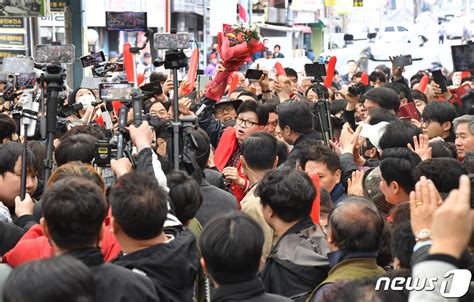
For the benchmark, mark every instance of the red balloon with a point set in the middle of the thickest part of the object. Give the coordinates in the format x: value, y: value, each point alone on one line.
x: 193, y: 67
x: 423, y: 83
x: 128, y: 62
x: 280, y: 71
x: 315, y: 210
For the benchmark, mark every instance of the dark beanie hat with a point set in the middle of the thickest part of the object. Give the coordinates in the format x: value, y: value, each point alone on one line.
x: 72, y: 96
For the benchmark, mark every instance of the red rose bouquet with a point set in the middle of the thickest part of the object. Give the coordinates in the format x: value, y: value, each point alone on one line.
x: 236, y: 45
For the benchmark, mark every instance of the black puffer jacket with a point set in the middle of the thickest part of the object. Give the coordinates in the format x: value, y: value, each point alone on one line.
x: 171, y: 266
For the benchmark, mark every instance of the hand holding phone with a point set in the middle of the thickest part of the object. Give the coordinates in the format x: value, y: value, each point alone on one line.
x: 315, y: 70
x: 92, y: 59
x: 402, y: 61
x: 409, y: 111
x: 253, y: 74
x: 439, y: 79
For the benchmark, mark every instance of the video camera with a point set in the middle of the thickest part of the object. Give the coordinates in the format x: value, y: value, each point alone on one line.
x: 321, y: 112
x: 174, y: 43
x: 357, y: 89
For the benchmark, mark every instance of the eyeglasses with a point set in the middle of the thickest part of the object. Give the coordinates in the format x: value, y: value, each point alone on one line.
x: 226, y: 109
x: 245, y: 123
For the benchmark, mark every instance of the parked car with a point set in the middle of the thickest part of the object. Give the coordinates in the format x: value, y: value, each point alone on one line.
x: 454, y: 28
x: 398, y: 34
x: 394, y: 40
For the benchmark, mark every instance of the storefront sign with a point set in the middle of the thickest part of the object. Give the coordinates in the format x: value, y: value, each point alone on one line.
x: 12, y: 39
x: 12, y: 23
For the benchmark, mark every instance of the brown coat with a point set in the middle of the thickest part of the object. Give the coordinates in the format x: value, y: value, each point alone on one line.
x: 252, y: 207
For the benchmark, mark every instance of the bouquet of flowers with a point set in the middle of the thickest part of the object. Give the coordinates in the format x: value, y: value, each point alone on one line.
x: 235, y: 45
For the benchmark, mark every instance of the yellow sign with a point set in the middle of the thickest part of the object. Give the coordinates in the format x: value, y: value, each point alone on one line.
x: 12, y: 39
x: 330, y: 2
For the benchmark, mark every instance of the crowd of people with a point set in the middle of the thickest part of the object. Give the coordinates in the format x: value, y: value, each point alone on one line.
x: 267, y: 208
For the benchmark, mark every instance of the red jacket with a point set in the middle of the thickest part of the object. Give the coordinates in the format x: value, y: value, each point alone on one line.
x: 34, y: 245
x: 224, y: 151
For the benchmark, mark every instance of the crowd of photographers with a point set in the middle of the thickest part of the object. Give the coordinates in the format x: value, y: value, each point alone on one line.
x: 265, y: 208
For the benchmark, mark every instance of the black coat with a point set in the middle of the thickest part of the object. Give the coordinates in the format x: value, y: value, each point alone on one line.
x: 298, y: 262
x: 250, y: 291
x: 10, y: 234
x: 171, y: 266
x: 215, y: 178
x: 114, y: 283
x: 213, y: 127
x: 312, y: 136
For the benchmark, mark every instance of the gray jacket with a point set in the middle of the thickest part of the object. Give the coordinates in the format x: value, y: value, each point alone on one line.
x: 215, y: 201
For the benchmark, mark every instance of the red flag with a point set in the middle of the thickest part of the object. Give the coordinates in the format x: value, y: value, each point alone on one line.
x: 330, y: 72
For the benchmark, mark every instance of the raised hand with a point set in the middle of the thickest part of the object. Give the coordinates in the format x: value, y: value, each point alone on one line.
x: 232, y: 173
x: 354, y: 184
x: 421, y: 146
x: 452, y: 222
x: 423, y: 203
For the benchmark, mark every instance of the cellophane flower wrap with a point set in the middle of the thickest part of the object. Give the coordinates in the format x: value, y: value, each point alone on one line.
x: 236, y: 45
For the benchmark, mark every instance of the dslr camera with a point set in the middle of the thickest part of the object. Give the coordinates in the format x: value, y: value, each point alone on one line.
x: 357, y: 89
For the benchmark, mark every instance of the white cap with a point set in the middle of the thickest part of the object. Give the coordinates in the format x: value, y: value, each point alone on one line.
x: 373, y: 132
